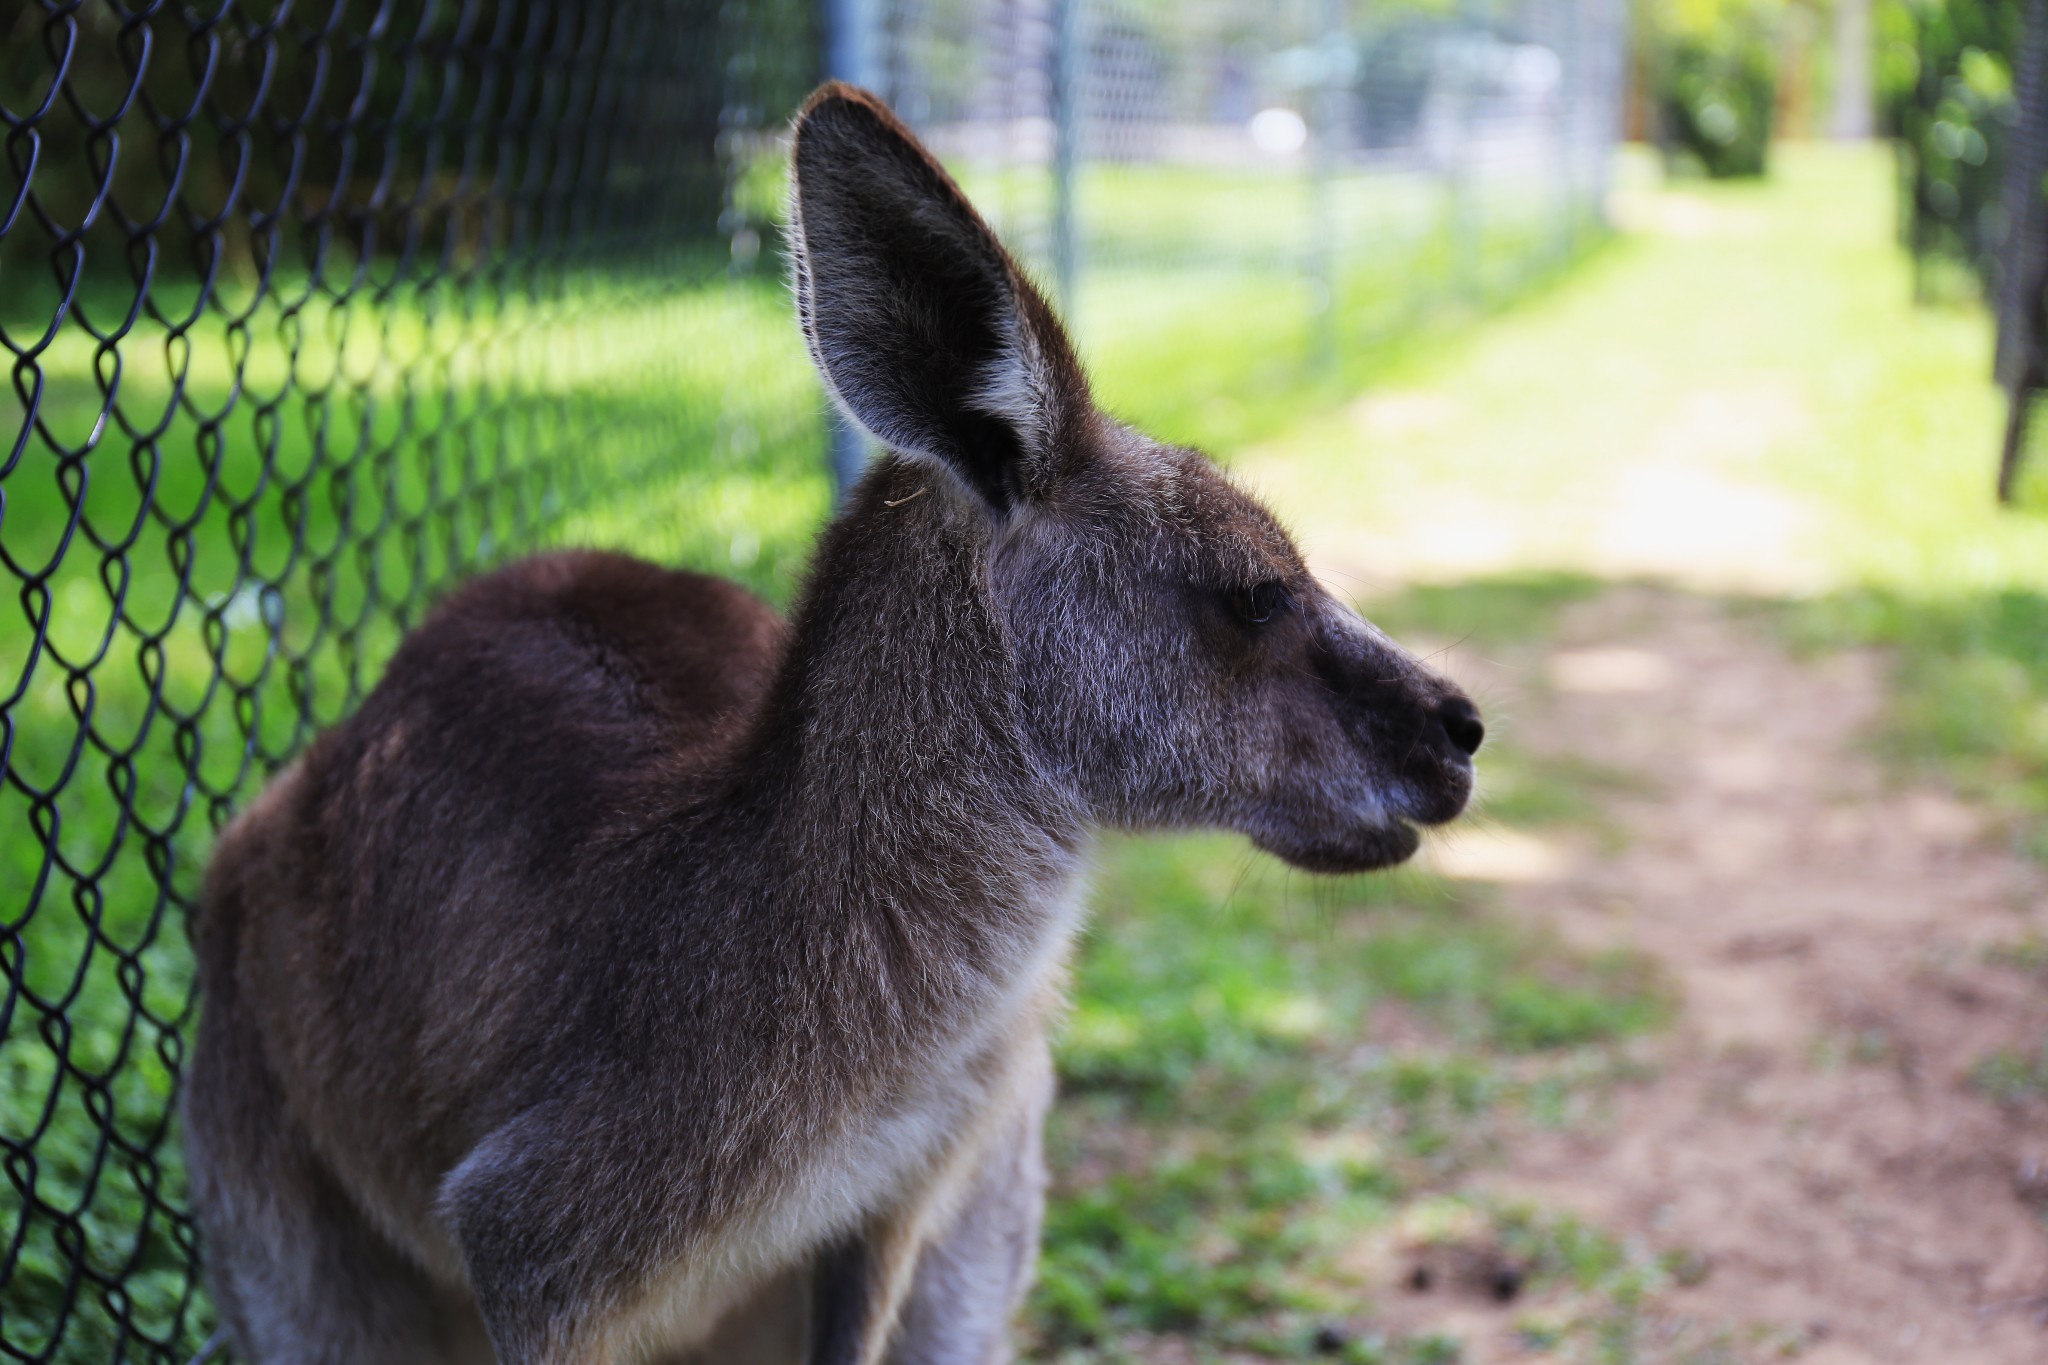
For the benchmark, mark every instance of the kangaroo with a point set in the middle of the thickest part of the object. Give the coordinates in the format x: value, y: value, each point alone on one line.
x: 637, y: 978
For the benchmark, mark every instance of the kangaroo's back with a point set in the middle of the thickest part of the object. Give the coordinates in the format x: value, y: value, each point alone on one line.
x: 539, y: 714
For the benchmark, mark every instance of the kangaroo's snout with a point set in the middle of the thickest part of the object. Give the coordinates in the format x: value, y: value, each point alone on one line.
x: 1459, y: 721
x: 1419, y: 732
x: 1396, y: 696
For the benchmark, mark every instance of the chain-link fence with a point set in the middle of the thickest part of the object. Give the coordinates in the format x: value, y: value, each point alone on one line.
x: 2022, y: 293
x: 308, y: 310
x: 1972, y: 127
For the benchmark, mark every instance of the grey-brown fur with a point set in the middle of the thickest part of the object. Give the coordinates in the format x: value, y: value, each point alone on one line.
x: 635, y: 978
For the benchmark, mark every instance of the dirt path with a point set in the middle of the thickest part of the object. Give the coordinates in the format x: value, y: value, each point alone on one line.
x: 1843, y: 951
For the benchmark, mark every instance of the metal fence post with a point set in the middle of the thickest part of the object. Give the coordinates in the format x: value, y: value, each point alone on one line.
x: 1574, y: 93
x: 1467, y: 265
x: 1066, y: 152
x: 1612, y: 34
x: 2021, y: 359
x: 853, y: 53
x: 1332, y: 74
x: 853, y: 43
x: 1853, y: 117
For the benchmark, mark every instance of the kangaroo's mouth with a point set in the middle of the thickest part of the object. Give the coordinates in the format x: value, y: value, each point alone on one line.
x: 1366, y: 848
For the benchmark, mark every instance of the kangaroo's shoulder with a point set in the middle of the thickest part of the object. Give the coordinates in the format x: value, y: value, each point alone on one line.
x: 700, y: 643
x: 546, y: 698
x: 583, y: 642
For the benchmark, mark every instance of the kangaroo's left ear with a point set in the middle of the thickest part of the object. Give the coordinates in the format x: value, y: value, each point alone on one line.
x: 923, y: 327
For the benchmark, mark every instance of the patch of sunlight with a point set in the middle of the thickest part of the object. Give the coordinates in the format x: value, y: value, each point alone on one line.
x: 1694, y: 525
x: 1686, y: 216
x: 1496, y: 854
x: 1607, y: 672
x: 1101, y: 1030
x: 1402, y: 412
x: 1440, y: 1220
x: 1293, y: 1017
x: 1344, y: 1149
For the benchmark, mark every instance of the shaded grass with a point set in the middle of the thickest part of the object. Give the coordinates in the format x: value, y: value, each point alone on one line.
x: 1555, y: 792
x: 1970, y: 699
x: 1501, y: 610
x: 2013, y: 1076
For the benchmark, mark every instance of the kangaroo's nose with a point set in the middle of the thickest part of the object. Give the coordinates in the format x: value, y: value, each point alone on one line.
x: 1461, y: 723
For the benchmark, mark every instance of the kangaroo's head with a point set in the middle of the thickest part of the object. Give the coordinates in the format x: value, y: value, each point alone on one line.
x: 1176, y: 662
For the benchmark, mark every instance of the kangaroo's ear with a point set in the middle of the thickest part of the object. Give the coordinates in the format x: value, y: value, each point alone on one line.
x: 924, y: 328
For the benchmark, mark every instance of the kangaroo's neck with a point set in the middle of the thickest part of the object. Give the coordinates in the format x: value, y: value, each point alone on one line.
x: 889, y: 766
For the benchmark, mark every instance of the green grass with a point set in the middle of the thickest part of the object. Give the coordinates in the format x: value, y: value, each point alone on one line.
x: 1222, y: 355
x: 1504, y: 610
x: 2013, y: 1076
x: 1225, y: 1141
x: 1970, y: 704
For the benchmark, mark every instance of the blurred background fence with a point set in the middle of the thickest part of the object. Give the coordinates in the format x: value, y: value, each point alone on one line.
x: 308, y: 311
x: 1218, y: 180
x: 1968, y: 100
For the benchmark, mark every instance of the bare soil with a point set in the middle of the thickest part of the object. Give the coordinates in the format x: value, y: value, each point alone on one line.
x: 1846, y: 951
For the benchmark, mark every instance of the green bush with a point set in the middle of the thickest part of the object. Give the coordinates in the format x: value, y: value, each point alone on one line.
x: 1717, y: 86
x: 1946, y: 74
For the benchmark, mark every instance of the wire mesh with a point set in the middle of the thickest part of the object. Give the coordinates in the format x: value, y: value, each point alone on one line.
x: 1954, y: 120
x: 1973, y: 138
x: 309, y: 310
x: 2022, y: 292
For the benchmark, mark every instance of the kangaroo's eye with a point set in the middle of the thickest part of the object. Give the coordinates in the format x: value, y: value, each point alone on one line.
x: 1263, y: 602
